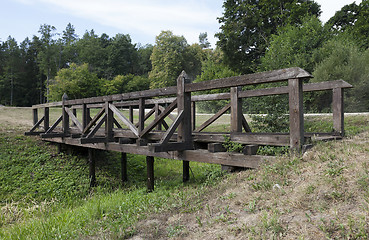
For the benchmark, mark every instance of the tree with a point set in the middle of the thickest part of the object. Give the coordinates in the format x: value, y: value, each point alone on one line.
x: 167, y: 59
x: 203, y: 40
x: 76, y: 81
x: 246, y: 27
x: 144, y: 63
x: 294, y: 46
x: 345, y: 18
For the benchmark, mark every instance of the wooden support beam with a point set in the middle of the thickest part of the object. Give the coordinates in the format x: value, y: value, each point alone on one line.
x: 150, y: 173
x: 171, y: 116
x: 157, y: 113
x: 169, y: 133
x: 97, y: 127
x: 126, y: 122
x: 236, y: 110
x: 46, y: 118
x: 216, y: 147
x: 186, y: 171
x: 49, y: 130
x: 73, y: 118
x: 85, y: 115
x: 92, y: 166
x: 245, y: 125
x: 116, y: 123
x: 338, y: 111
x: 147, y: 115
x: 296, y: 114
x: 172, y: 146
x: 123, y: 163
x: 193, y: 115
x: 213, y: 118
x: 93, y: 121
x: 65, y: 124
x: 141, y: 116
x: 131, y: 119
x: 109, y: 123
x: 162, y: 115
x: 35, y: 116
x: 37, y: 124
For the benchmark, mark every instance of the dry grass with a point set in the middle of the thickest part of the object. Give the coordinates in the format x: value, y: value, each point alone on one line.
x: 323, y: 195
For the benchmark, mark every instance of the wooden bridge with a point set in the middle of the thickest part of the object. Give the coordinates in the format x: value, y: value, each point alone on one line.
x: 110, y: 129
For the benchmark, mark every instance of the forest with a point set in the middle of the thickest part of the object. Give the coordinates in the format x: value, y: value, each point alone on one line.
x: 254, y: 36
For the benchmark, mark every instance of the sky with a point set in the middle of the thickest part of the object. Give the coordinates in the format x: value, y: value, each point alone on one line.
x: 143, y: 20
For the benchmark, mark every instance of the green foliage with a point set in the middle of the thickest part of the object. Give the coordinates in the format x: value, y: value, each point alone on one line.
x: 294, y: 45
x: 246, y: 27
x: 232, y: 146
x: 76, y: 82
x: 341, y: 58
x: 125, y: 83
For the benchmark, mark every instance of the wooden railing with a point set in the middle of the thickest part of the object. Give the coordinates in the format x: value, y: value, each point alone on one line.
x: 111, y: 129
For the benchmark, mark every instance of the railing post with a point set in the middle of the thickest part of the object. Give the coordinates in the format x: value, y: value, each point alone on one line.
x: 46, y: 118
x: 236, y: 110
x: 92, y: 165
x: 157, y: 112
x: 85, y: 115
x: 109, y: 122
x: 131, y: 119
x: 296, y: 111
x: 193, y: 115
x: 185, y: 127
x: 141, y: 114
x: 35, y: 116
x: 150, y: 173
x: 338, y: 111
x: 65, y: 114
x: 123, y: 162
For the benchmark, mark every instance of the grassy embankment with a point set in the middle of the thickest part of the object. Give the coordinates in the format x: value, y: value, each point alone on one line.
x: 45, y: 195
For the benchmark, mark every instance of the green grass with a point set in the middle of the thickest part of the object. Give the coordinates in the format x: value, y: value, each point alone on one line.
x: 46, y: 195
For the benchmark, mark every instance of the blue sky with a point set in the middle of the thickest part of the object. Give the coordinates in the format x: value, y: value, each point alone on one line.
x: 141, y: 19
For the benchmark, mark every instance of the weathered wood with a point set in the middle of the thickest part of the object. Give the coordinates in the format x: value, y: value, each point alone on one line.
x: 97, y: 127
x: 53, y: 135
x: 65, y: 115
x: 172, y: 146
x: 54, y: 125
x: 46, y: 118
x: 37, y: 124
x: 171, y: 116
x: 296, y: 114
x: 74, y: 119
x: 161, y: 116
x: 131, y: 119
x: 109, y: 123
x: 236, y: 110
x: 157, y: 112
x: 35, y: 116
x: 92, y: 166
x: 33, y: 133
x: 93, y: 140
x: 150, y: 173
x: 116, y: 123
x: 184, y: 106
x: 141, y: 115
x: 250, y: 149
x: 123, y: 164
x: 169, y: 133
x: 213, y: 118
x: 93, y: 121
x: 245, y: 125
x: 250, y: 79
x: 124, y: 119
x: 338, y: 111
x: 216, y: 147
x: 147, y: 115
x: 85, y: 115
x: 193, y: 115
x: 186, y: 171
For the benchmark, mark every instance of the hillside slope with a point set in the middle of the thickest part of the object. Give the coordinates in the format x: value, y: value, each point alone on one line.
x: 322, y: 195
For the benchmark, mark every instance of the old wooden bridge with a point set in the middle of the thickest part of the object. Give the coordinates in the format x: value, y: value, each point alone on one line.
x: 111, y: 130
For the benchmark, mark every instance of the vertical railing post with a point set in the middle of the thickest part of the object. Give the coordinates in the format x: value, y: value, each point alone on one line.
x: 236, y: 110
x: 185, y: 127
x: 141, y: 114
x: 193, y: 115
x: 157, y: 112
x: 75, y: 114
x: 296, y: 114
x: 65, y: 115
x: 92, y: 166
x: 85, y: 115
x: 130, y: 109
x: 109, y: 122
x: 46, y: 118
x: 35, y: 116
x: 338, y: 111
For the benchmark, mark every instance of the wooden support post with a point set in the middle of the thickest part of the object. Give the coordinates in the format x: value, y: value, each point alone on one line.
x: 46, y: 118
x: 92, y: 166
x: 65, y: 115
x: 185, y: 127
x: 109, y: 123
x: 338, y: 111
x: 296, y: 114
x: 150, y: 173
x: 193, y: 115
x: 141, y: 115
x: 74, y: 111
x: 35, y: 116
x: 157, y: 112
x: 85, y: 115
x: 123, y: 162
x: 186, y: 171
x: 236, y: 110
x: 131, y: 114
